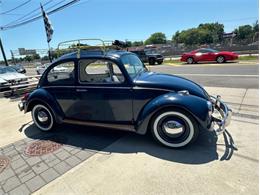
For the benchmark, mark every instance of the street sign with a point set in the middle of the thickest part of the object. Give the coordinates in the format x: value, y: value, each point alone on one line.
x: 229, y: 35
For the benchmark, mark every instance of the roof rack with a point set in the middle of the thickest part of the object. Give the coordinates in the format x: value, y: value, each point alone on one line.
x: 89, y: 45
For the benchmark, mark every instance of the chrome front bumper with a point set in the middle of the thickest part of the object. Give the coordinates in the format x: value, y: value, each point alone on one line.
x: 221, y: 117
x: 21, y: 105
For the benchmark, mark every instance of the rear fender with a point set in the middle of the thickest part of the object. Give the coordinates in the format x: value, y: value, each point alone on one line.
x: 42, y: 96
x: 194, y: 105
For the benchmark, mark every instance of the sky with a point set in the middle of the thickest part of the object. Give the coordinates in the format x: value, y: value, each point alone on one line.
x: 120, y: 19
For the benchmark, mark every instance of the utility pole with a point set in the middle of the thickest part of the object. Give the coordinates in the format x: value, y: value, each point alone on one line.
x: 13, y: 59
x: 3, y: 52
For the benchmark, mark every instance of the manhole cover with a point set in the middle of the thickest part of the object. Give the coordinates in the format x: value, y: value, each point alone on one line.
x: 4, y: 162
x: 42, y: 147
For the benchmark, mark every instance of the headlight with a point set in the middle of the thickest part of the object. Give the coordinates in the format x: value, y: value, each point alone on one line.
x: 210, y: 108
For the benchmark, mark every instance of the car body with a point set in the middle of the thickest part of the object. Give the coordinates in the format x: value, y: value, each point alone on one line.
x: 3, y: 84
x: 149, y: 56
x: 207, y: 54
x: 19, y: 68
x: 11, y: 76
x: 41, y: 68
x: 115, y: 90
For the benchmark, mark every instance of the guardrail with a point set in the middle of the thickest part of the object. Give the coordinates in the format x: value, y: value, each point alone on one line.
x: 21, y: 87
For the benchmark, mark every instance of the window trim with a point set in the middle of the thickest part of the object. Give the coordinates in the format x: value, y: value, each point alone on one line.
x: 100, y: 84
x: 48, y: 70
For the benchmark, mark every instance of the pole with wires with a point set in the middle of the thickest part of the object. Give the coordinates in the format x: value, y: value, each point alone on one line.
x: 3, y: 52
x: 48, y: 30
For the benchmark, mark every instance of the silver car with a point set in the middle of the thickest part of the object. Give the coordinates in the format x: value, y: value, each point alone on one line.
x: 11, y: 76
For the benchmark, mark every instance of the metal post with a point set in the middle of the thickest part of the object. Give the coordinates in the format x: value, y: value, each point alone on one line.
x: 50, y: 58
x: 12, y: 55
x: 3, y: 52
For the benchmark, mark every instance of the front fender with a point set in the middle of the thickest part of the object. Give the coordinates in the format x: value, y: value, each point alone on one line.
x: 194, y: 105
x: 40, y: 95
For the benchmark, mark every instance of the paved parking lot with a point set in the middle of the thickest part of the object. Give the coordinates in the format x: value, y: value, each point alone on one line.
x: 85, y: 160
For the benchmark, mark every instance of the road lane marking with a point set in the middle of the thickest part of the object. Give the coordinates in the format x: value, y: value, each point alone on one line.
x: 218, y: 75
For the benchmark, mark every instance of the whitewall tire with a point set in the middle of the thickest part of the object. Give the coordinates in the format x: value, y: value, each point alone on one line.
x: 174, y: 129
x: 42, y: 117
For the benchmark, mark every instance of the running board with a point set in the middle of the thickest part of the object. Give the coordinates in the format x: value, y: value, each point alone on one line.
x: 105, y: 125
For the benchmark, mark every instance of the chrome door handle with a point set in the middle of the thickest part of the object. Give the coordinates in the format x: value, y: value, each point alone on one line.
x: 81, y: 90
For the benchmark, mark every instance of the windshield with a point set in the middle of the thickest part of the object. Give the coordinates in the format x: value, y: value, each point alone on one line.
x: 6, y: 70
x: 151, y: 51
x: 133, y: 65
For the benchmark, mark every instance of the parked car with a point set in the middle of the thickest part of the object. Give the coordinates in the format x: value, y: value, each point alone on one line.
x: 3, y: 84
x: 150, y: 56
x: 115, y: 90
x: 206, y: 54
x: 40, y: 69
x: 19, y: 68
x: 11, y: 76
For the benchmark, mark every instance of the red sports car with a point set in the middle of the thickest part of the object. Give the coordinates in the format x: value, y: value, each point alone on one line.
x: 206, y: 54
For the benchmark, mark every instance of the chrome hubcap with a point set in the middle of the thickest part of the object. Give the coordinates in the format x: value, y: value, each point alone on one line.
x: 220, y: 59
x: 42, y: 116
x: 173, y: 127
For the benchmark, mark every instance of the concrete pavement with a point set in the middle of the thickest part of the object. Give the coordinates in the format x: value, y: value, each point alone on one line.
x: 135, y: 164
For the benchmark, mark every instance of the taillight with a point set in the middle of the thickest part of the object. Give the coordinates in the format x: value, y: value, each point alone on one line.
x: 25, y: 96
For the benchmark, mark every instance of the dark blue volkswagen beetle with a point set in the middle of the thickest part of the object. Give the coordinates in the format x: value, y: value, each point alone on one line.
x: 114, y: 89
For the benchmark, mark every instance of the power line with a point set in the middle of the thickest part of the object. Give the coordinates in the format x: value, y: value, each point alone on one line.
x: 38, y: 14
x: 38, y: 17
x: 8, y: 11
x: 29, y: 13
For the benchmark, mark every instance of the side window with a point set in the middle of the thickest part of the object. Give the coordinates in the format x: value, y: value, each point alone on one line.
x: 62, y: 74
x: 99, y: 71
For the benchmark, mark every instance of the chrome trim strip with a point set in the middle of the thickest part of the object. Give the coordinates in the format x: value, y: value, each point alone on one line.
x: 90, y: 87
x: 151, y: 88
x: 105, y: 125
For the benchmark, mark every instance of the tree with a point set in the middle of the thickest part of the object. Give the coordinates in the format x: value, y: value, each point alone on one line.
x: 28, y: 58
x: 204, y: 34
x: 137, y: 43
x: 256, y: 27
x: 156, y: 38
x: 45, y: 58
x: 244, y: 32
x: 175, y: 37
x: 36, y: 56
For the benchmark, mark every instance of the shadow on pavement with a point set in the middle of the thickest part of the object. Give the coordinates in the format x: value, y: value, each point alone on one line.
x: 92, y: 138
x: 229, y: 146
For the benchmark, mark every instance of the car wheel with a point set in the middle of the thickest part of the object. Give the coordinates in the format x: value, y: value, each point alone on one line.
x: 151, y: 61
x: 190, y: 60
x: 220, y: 59
x: 160, y: 62
x: 42, y: 117
x: 174, y: 128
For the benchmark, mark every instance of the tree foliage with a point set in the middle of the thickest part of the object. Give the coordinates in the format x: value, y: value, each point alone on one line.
x: 213, y: 33
x: 204, y: 33
x: 156, y: 38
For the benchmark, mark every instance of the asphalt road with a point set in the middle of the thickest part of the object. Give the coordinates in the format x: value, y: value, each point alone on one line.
x: 216, y: 75
x: 212, y: 75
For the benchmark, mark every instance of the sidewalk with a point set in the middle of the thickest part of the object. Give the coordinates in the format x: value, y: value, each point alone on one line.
x: 100, y: 162
x: 135, y: 165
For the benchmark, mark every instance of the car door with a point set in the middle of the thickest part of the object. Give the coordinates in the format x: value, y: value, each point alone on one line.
x: 61, y: 85
x: 103, y: 95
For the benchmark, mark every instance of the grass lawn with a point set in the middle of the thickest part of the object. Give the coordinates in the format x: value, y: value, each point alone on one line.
x: 248, y: 58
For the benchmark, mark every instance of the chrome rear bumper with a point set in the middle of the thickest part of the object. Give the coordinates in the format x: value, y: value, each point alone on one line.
x: 223, y: 116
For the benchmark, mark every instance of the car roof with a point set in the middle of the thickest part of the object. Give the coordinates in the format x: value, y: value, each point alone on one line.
x: 116, y: 54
